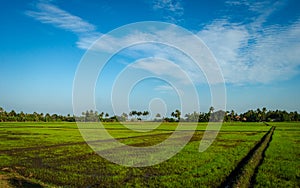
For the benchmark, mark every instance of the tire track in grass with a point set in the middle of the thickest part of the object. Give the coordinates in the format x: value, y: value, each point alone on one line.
x: 253, y: 178
x: 245, y: 172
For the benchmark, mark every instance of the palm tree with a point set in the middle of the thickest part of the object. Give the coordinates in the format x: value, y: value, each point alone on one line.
x: 101, y: 116
x: 263, y: 113
x: 211, y: 109
x: 139, y: 114
x: 124, y: 115
x: 157, y: 116
x: 47, y: 117
x: 259, y: 114
x: 232, y: 115
x: 133, y: 113
x: 145, y: 113
x: 176, y: 114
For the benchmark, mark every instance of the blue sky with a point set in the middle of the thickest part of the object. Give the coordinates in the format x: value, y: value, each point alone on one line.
x: 255, y: 43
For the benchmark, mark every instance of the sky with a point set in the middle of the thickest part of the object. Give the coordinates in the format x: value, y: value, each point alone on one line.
x: 255, y: 45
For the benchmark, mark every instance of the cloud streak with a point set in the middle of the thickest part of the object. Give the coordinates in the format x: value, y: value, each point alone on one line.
x: 51, y: 14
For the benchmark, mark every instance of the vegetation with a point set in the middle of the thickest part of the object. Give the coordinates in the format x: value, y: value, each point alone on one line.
x: 55, y: 154
x: 281, y: 164
x: 257, y: 115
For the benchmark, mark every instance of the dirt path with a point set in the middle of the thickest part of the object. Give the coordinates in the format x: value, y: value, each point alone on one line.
x: 245, y: 172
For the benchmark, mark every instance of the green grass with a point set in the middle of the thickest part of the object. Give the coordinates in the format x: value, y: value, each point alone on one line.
x: 76, y: 165
x: 281, y: 165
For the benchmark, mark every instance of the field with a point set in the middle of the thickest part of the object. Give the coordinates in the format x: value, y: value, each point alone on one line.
x: 243, y: 155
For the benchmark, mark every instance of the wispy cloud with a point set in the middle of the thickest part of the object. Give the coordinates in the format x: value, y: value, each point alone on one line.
x: 257, y: 12
x: 173, y: 52
x: 250, y: 5
x: 162, y: 68
x: 86, y: 40
x: 255, y: 6
x: 168, y: 89
x: 171, y: 9
x: 253, y: 52
x: 247, y: 52
x: 50, y: 14
x: 164, y: 88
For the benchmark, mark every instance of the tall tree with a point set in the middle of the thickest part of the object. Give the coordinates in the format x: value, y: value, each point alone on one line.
x: 125, y: 116
x: 145, y: 113
x: 211, y: 109
x: 176, y: 114
x: 263, y: 114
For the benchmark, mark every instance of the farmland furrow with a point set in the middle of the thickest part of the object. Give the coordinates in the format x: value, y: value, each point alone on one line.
x: 244, y: 173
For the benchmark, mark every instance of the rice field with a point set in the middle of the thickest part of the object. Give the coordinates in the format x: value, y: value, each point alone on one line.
x: 56, y: 155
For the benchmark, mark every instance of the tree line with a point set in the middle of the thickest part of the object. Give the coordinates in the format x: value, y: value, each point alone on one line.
x: 258, y: 115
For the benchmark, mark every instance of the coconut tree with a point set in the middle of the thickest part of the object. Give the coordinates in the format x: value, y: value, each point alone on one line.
x: 176, y: 114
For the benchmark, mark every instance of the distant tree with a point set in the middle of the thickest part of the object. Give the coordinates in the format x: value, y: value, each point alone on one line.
x: 54, y: 117
x: 217, y: 116
x: 22, y: 116
x: 133, y: 114
x: 48, y: 117
x: 176, y: 114
x: 124, y: 116
x: 258, y: 114
x: 169, y: 119
x: 192, y: 117
x: 250, y: 116
x: 101, y: 116
x: 263, y: 114
x: 145, y: 113
x: 12, y: 116
x: 203, y: 117
x: 232, y: 115
x: 157, y: 117
x: 294, y: 116
x: 139, y: 113
x: 90, y: 115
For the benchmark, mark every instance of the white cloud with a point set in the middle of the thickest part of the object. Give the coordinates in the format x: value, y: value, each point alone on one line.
x: 164, y: 88
x: 168, y: 89
x: 86, y: 40
x: 256, y: 11
x: 246, y: 52
x: 51, y: 14
x: 252, y: 52
x: 251, y: 5
x: 47, y: 13
x: 170, y: 43
x: 172, y: 9
x: 163, y: 68
x: 170, y: 5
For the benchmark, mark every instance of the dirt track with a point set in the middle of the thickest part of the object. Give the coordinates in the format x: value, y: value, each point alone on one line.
x: 239, y: 177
